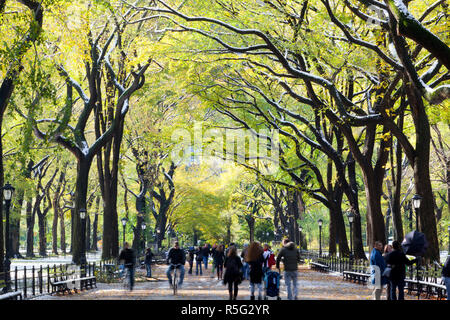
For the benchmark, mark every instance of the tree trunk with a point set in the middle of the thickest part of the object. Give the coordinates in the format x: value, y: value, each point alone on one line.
x: 42, y: 234
x: 78, y: 247
x: 15, y: 225
x: 30, y: 229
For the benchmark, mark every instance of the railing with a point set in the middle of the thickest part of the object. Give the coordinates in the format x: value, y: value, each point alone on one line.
x: 427, y: 273
x: 35, y: 281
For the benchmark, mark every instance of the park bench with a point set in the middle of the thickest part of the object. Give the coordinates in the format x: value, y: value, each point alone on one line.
x: 14, y: 295
x: 320, y: 267
x: 429, y: 288
x: 355, y: 276
x: 62, y: 285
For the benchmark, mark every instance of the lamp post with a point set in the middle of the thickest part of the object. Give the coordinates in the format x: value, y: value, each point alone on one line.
x: 300, y: 229
x: 143, y: 226
x: 83, y: 236
x: 351, y: 217
x: 124, y: 223
x: 8, y: 191
x: 320, y: 222
x: 416, y: 204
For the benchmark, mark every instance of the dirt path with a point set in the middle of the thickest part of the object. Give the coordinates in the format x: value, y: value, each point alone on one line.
x: 312, y: 285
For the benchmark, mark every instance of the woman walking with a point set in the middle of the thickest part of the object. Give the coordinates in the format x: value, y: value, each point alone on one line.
x: 233, y: 275
x: 255, y: 259
x: 218, y: 260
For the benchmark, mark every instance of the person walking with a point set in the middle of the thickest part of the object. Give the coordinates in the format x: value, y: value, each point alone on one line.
x: 213, y: 253
x: 191, y: 253
x: 232, y: 275
x: 176, y: 256
x: 398, y: 261
x: 387, y: 250
x: 291, y: 258
x: 245, y: 268
x: 198, y: 261
x: 148, y: 262
x: 446, y: 275
x: 205, y: 255
x: 128, y: 257
x: 218, y: 260
x: 377, y: 265
x: 255, y: 259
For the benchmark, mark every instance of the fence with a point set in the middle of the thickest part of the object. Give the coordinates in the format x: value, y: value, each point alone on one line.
x: 36, y: 281
x: 427, y: 273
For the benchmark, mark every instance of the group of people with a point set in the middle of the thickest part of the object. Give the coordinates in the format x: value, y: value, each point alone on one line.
x: 388, y: 267
x: 253, y: 263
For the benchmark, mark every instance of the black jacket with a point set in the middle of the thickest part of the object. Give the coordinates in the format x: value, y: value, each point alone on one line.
x: 128, y: 256
x: 148, y: 257
x: 176, y: 256
x: 233, y: 266
x: 398, y: 261
x: 446, y: 268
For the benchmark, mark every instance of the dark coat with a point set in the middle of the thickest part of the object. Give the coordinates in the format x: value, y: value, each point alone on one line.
x: 290, y: 255
x: 148, y: 257
x: 218, y: 258
x: 233, y: 266
x: 398, y: 261
x: 128, y: 256
x: 176, y: 256
x: 256, y: 269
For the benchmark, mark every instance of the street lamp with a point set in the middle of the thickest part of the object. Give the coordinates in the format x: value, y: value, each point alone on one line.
x: 143, y: 226
x: 83, y: 236
x: 124, y: 223
x: 320, y: 222
x: 300, y: 229
x: 157, y: 238
x: 8, y: 191
x: 351, y: 217
x: 416, y: 204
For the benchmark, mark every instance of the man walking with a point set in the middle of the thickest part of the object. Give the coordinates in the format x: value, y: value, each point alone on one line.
x: 377, y: 266
x: 128, y: 258
x: 176, y: 256
x: 290, y: 257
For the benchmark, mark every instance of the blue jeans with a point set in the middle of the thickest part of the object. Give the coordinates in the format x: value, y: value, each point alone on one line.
x: 447, y: 285
x: 400, y: 284
x: 252, y: 289
x: 198, y: 264
x: 245, y: 270
x: 205, y: 261
x: 148, y: 267
x: 130, y: 271
x: 169, y: 275
x: 291, y: 277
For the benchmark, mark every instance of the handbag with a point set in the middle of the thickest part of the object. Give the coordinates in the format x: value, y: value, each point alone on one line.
x: 387, y: 271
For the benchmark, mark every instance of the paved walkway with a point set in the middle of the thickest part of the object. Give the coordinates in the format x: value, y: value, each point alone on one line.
x: 312, y: 285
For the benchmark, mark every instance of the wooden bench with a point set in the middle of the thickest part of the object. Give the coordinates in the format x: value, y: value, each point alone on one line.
x: 355, y: 276
x: 61, y: 286
x: 14, y: 295
x: 320, y: 267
